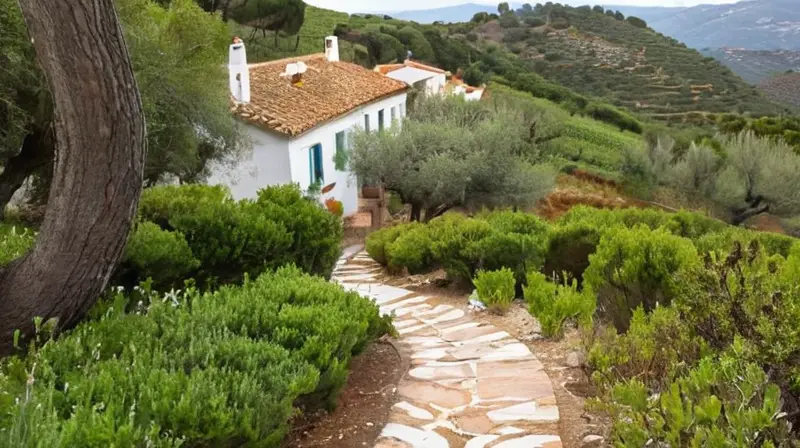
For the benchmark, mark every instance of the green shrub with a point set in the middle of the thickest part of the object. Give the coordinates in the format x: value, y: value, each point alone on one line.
x: 14, y: 242
x: 213, y: 369
x: 411, y: 250
x: 610, y: 114
x: 636, y: 267
x: 655, y: 345
x: 553, y: 304
x: 453, y: 240
x: 751, y: 296
x: 232, y: 239
x: 378, y: 242
x: 316, y: 234
x: 569, y: 248
x: 723, y: 241
x: 158, y: 254
x: 496, y: 288
x: 160, y: 204
x: 724, y: 401
x: 693, y: 225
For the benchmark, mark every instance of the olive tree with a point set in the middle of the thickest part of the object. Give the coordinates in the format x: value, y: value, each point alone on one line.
x: 754, y: 175
x: 454, y: 153
x: 99, y: 134
x: 177, y: 53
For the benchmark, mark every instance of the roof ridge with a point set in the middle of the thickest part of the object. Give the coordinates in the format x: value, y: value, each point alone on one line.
x: 289, y: 59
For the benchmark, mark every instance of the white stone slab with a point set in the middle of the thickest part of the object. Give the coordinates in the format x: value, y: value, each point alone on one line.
x: 525, y: 411
x: 534, y: 441
x: 355, y: 277
x: 400, y: 312
x: 481, y: 441
x: 446, y: 317
x: 417, y: 438
x: 413, y: 411
x: 411, y: 329
x: 403, y: 304
x: 381, y: 293
x: 509, y: 352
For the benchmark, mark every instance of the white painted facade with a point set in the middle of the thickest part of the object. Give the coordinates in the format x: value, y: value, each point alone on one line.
x: 436, y: 84
x: 277, y: 159
x: 430, y: 82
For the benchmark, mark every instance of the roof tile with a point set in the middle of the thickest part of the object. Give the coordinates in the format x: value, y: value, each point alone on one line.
x: 328, y: 90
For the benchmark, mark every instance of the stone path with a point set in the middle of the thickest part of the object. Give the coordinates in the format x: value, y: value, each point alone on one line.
x: 470, y: 385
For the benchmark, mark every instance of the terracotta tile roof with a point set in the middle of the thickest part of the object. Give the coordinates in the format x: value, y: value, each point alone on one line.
x: 328, y: 90
x: 387, y: 68
x: 459, y: 82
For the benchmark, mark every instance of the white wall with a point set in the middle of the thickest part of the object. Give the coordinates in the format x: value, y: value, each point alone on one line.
x: 268, y: 164
x: 436, y: 84
x: 346, y: 189
x: 277, y: 160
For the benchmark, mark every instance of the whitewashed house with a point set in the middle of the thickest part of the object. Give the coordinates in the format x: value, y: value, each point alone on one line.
x: 298, y: 113
x: 429, y: 79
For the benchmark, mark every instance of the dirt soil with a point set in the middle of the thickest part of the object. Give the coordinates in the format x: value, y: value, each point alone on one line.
x: 363, y: 405
x: 570, y: 384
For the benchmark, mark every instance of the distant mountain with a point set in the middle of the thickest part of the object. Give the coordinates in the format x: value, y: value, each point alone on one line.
x: 458, y: 13
x: 647, y: 13
x: 756, y: 65
x: 752, y: 24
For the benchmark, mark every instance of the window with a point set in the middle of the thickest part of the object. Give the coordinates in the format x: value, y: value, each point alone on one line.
x: 394, y: 114
x: 366, y: 122
x: 339, y: 160
x: 380, y: 120
x: 402, y: 109
x: 315, y: 164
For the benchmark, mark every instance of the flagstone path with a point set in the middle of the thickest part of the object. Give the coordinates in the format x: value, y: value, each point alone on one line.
x: 470, y: 385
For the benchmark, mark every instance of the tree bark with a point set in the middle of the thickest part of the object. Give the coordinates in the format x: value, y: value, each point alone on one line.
x: 37, y: 151
x: 97, y: 177
x: 416, y: 211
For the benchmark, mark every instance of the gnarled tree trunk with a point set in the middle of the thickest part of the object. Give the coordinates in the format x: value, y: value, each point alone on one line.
x: 97, y: 178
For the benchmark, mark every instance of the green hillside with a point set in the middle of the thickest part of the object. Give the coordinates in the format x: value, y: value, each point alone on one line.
x: 632, y: 66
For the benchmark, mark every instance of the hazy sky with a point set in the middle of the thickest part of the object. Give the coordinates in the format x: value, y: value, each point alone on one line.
x: 405, y: 5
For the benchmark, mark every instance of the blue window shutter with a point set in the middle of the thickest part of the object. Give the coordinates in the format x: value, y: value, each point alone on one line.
x: 319, y: 162
x: 311, y: 166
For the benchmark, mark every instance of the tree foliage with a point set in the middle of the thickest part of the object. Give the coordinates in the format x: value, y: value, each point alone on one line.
x: 286, y: 16
x: 451, y: 152
x: 754, y: 175
x: 177, y: 53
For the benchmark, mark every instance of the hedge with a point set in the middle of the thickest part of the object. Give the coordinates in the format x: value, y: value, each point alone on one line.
x: 212, y: 369
x: 227, y: 239
x: 463, y: 246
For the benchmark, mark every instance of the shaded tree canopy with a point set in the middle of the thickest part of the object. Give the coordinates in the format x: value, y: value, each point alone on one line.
x: 278, y: 16
x: 452, y: 152
x: 753, y: 175
x: 178, y: 55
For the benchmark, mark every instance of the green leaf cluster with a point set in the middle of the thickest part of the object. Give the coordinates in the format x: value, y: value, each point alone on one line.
x: 198, y: 231
x: 213, y: 369
x: 495, y: 288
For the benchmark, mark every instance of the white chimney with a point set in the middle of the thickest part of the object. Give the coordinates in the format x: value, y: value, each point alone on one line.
x: 239, y: 75
x: 332, y: 49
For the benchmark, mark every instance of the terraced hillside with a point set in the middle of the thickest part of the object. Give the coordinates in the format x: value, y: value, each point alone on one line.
x: 581, y: 54
x: 784, y: 88
x: 600, y: 55
x: 755, y: 66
